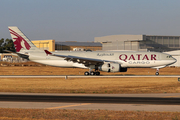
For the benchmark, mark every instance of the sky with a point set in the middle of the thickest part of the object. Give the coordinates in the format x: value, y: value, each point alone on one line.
x: 82, y: 20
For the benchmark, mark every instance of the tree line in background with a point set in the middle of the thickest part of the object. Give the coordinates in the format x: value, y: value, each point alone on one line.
x: 6, y: 45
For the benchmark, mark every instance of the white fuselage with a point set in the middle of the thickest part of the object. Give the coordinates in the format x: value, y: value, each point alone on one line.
x: 125, y: 58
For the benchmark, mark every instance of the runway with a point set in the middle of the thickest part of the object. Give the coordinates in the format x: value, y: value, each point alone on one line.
x: 147, y: 102
x: 83, y: 76
x: 71, y: 98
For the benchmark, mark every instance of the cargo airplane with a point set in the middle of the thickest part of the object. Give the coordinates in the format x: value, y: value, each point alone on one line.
x: 95, y: 61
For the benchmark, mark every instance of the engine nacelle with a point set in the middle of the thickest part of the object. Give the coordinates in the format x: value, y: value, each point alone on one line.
x: 112, y: 67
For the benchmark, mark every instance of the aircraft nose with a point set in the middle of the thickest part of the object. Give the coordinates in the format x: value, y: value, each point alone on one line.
x: 174, y: 60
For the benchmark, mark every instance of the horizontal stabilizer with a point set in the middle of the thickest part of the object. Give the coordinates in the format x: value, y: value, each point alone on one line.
x: 19, y: 54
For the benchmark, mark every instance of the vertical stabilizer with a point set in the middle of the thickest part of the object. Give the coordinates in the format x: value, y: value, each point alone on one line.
x: 21, y: 42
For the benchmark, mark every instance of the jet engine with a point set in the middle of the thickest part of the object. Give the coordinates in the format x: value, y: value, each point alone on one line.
x: 112, y: 67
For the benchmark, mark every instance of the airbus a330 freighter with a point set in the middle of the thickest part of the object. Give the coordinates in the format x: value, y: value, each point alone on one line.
x: 95, y: 61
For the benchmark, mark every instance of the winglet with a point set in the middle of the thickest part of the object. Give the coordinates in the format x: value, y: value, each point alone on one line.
x: 47, y: 52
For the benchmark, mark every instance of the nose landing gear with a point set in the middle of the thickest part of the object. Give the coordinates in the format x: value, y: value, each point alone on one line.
x: 157, y: 71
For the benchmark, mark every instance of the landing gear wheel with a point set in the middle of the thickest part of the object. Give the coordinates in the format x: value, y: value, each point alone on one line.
x: 92, y: 73
x: 157, y: 73
x: 97, y: 73
x: 86, y: 73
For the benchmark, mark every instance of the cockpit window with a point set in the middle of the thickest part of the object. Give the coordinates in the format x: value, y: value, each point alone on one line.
x: 169, y: 56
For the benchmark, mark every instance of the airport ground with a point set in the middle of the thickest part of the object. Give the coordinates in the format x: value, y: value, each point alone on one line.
x: 30, y: 68
x: 85, y: 86
x: 91, y: 85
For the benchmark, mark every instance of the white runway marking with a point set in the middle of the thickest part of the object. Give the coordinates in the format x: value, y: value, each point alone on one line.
x: 71, y: 76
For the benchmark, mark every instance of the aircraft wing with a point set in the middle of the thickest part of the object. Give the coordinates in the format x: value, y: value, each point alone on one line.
x: 76, y: 59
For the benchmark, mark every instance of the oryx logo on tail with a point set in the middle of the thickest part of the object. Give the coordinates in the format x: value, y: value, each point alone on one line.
x: 18, y: 42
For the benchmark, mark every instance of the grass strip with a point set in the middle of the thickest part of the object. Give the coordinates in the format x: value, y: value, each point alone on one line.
x: 90, y: 85
x: 65, y: 114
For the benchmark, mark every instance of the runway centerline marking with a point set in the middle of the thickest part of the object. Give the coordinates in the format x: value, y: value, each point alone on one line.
x: 69, y: 106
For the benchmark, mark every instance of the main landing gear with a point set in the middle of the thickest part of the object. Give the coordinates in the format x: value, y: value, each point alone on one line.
x: 92, y: 73
x: 157, y: 71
